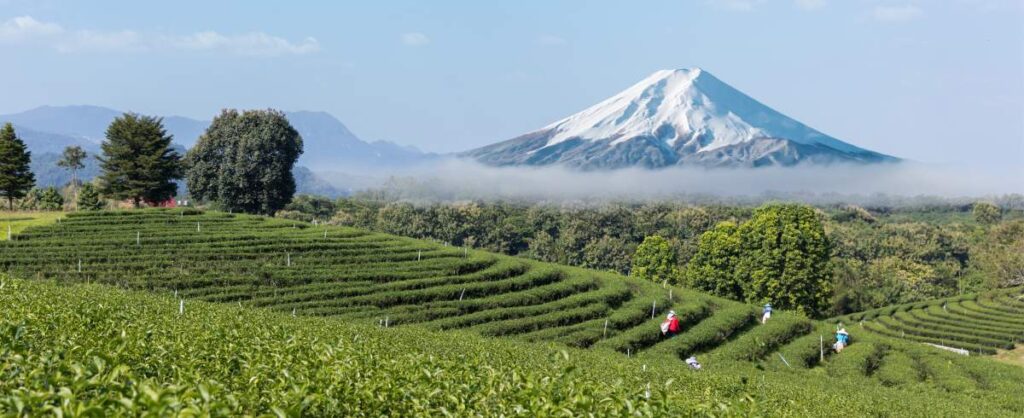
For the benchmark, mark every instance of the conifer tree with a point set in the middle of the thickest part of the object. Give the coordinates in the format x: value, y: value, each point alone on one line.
x: 16, y: 178
x: 138, y: 163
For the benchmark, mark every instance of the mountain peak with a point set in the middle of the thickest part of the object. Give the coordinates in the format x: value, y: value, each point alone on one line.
x: 671, y: 116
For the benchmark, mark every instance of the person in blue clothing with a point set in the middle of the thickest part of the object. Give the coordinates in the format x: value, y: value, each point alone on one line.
x: 767, y: 313
x: 842, y: 340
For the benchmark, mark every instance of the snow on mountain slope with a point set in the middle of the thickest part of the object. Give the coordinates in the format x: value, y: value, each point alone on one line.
x: 674, y: 117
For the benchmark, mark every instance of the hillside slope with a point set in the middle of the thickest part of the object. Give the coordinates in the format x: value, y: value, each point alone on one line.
x: 413, y: 287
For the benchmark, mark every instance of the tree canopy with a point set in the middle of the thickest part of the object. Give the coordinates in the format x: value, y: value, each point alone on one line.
x: 73, y: 159
x: 244, y: 160
x: 138, y: 163
x: 655, y: 260
x: 16, y: 178
x: 781, y: 255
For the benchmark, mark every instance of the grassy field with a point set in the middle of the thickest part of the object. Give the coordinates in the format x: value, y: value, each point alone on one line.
x: 282, y: 314
x: 16, y: 222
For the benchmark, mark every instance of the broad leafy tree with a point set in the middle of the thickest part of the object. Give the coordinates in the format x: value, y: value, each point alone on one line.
x: 16, y: 178
x: 986, y: 213
x: 655, y: 260
x: 244, y: 160
x: 713, y: 267
x: 785, y: 258
x: 138, y: 163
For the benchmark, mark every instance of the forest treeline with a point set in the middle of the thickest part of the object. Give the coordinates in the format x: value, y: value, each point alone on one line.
x: 876, y: 256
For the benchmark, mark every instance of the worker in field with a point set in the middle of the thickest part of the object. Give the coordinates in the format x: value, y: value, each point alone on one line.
x: 842, y: 340
x: 670, y: 326
x: 767, y: 313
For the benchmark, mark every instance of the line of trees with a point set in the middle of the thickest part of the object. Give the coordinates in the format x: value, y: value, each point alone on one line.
x: 243, y: 162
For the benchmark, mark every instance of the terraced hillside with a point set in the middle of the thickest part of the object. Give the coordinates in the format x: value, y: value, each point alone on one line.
x: 383, y: 281
x: 978, y: 323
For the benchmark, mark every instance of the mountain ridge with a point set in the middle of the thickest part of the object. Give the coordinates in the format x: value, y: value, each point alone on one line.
x: 674, y: 117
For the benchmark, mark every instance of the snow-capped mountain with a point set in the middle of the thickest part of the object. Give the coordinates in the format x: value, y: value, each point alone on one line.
x: 675, y: 117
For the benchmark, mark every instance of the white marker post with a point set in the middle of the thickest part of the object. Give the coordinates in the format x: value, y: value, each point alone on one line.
x: 419, y: 254
x: 821, y: 348
x: 293, y: 312
x: 288, y: 257
x: 654, y: 305
x: 181, y: 306
x: 138, y: 238
x: 385, y: 322
x: 605, y: 329
x: 9, y: 232
x: 79, y: 265
x: 198, y: 228
x: 670, y: 293
x: 462, y: 294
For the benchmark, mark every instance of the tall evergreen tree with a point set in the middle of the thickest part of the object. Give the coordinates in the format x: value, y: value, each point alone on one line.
x: 138, y: 163
x: 16, y: 178
x: 244, y: 160
x: 73, y: 159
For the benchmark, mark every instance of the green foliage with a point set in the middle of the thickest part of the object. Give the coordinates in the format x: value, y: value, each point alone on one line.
x: 50, y: 199
x: 316, y: 207
x: 654, y: 260
x: 138, y: 163
x: 785, y: 258
x: 986, y: 213
x: 73, y: 158
x: 244, y: 160
x: 16, y: 178
x: 780, y: 256
x: 89, y: 198
x: 713, y: 266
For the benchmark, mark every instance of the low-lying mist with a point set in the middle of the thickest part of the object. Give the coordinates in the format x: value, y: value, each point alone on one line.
x: 461, y: 179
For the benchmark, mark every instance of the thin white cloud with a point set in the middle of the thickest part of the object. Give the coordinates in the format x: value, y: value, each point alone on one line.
x: 810, y: 4
x: 900, y: 13
x: 736, y: 5
x: 415, y: 39
x: 26, y: 29
x: 552, y: 40
x: 254, y: 43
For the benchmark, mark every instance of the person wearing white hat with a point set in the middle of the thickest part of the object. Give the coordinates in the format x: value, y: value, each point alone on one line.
x: 842, y: 340
x: 670, y: 327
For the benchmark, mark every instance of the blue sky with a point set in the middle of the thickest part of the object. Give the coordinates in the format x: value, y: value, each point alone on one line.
x: 935, y: 81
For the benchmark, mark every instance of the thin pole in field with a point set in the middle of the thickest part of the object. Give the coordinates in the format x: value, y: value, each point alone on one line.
x: 9, y: 232
x: 181, y: 306
x: 605, y: 329
x: 138, y: 238
x: 821, y: 348
x: 325, y: 233
x: 419, y: 254
x: 79, y: 265
x: 670, y: 293
x: 293, y: 311
x: 288, y: 257
x: 385, y: 322
x: 784, y: 360
x: 198, y: 228
x: 654, y: 305
x: 462, y: 294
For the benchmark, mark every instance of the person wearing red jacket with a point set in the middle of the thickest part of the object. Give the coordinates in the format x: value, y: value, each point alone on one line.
x: 670, y: 326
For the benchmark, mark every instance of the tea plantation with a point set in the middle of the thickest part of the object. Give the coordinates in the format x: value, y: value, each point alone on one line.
x: 236, y: 314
